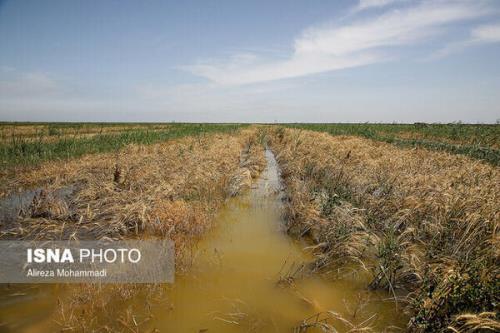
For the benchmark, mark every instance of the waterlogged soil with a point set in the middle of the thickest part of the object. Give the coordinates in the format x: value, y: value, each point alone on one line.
x: 246, y: 276
x: 12, y: 205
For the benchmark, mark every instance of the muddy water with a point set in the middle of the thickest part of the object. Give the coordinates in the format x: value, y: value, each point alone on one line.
x: 233, y: 285
x: 245, y: 277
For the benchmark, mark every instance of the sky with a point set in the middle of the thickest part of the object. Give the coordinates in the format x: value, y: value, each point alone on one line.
x: 250, y: 61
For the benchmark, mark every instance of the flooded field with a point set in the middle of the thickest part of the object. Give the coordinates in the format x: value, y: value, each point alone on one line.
x: 243, y: 277
x: 247, y: 275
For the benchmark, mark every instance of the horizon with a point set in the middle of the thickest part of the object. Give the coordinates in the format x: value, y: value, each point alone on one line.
x: 367, y: 61
x: 458, y: 122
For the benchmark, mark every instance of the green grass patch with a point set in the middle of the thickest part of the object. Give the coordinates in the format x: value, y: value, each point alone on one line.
x: 20, y: 151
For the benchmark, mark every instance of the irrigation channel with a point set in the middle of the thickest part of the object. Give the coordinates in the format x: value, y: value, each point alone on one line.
x: 234, y: 285
x: 246, y: 277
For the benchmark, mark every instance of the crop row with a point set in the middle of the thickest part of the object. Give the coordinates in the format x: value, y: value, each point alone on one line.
x: 23, y: 151
x: 476, y: 141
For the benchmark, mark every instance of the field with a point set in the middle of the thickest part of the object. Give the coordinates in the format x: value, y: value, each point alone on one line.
x: 180, y: 182
x: 420, y: 221
x: 477, y: 141
x: 28, y: 144
x: 392, y: 227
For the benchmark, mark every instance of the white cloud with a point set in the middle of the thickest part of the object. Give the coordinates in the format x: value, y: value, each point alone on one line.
x: 487, y: 33
x: 368, y: 4
x: 484, y: 34
x: 298, y: 65
x: 397, y: 27
x: 332, y: 47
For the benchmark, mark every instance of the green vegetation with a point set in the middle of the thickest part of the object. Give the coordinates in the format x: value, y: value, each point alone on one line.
x: 31, y: 143
x: 477, y: 141
x: 49, y: 142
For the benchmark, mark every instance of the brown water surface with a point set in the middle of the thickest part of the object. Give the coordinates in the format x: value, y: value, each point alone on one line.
x: 233, y: 283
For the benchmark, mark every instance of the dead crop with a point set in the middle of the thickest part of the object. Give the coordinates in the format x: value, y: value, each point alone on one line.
x: 424, y: 223
x: 479, y: 141
x: 243, y: 316
x: 24, y: 146
x: 170, y: 190
x: 332, y: 322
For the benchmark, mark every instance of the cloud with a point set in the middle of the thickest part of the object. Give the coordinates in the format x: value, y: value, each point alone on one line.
x: 26, y: 84
x: 333, y: 47
x: 487, y: 33
x: 369, y: 4
x: 298, y: 65
x: 484, y: 34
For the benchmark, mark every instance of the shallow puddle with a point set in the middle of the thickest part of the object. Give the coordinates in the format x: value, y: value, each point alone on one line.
x: 246, y: 277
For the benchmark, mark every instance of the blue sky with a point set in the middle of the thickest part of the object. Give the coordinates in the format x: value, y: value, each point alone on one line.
x: 250, y: 61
